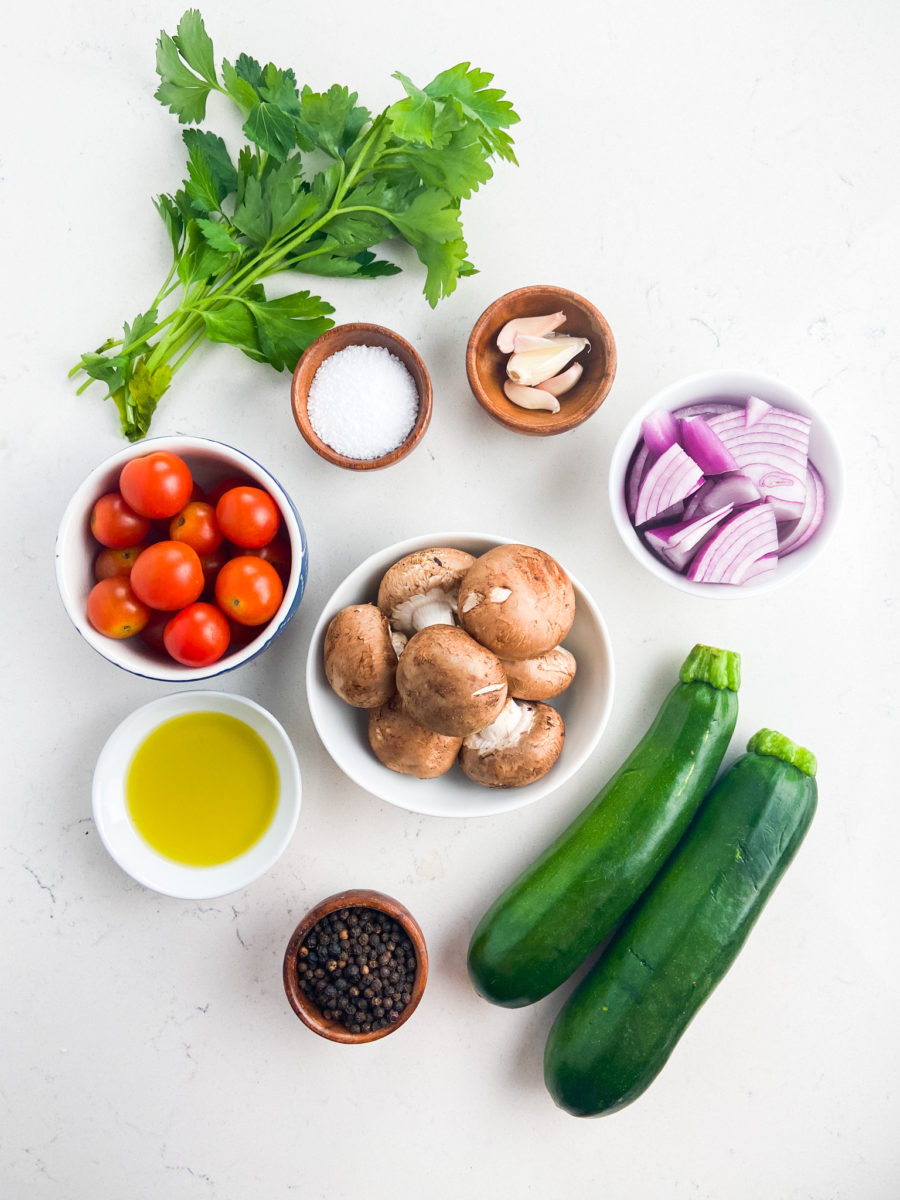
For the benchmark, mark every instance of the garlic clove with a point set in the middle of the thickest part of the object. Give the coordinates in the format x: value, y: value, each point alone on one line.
x: 532, y: 367
x: 532, y: 326
x: 530, y: 397
x: 558, y: 385
x: 525, y: 342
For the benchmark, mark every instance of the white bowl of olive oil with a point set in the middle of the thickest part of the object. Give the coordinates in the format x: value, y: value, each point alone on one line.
x: 197, y: 794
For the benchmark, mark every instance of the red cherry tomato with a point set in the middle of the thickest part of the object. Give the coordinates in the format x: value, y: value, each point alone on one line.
x: 153, y: 633
x: 196, y: 526
x: 116, y: 562
x: 198, y: 635
x: 248, y: 516
x: 249, y: 590
x: 215, y: 494
x: 278, y: 553
x: 114, y: 610
x: 115, y: 524
x: 167, y: 576
x: 157, y: 485
x: 212, y: 564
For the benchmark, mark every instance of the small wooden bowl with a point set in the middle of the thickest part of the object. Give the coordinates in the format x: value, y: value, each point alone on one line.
x: 486, y: 365
x: 339, y: 338
x: 306, y: 1010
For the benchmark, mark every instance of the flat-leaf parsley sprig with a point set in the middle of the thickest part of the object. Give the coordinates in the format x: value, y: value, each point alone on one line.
x: 401, y: 173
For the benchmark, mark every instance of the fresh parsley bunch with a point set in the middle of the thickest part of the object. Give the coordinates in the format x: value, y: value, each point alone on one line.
x: 232, y: 224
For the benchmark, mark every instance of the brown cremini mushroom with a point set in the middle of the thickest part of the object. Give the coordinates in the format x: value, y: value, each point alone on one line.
x: 542, y: 677
x: 421, y: 588
x: 449, y: 683
x: 517, y: 749
x: 360, y: 661
x: 403, y: 745
x: 517, y: 601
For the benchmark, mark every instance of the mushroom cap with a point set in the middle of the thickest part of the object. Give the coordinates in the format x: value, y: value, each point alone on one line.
x: 403, y: 745
x: 519, y: 749
x: 437, y: 567
x: 360, y: 660
x: 449, y: 683
x: 517, y: 601
x: 542, y: 677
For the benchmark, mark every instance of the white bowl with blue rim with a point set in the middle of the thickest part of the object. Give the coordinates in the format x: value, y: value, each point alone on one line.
x: 210, y: 462
x: 734, y: 387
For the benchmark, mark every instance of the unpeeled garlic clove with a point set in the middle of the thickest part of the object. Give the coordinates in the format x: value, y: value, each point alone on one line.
x: 558, y: 385
x: 532, y: 367
x: 533, y: 326
x: 530, y: 397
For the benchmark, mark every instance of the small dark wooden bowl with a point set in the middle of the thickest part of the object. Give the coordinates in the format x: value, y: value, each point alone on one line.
x: 486, y: 365
x: 308, y: 1012
x: 359, y: 334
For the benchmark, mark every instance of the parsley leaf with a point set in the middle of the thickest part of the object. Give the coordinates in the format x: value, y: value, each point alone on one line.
x: 272, y: 331
x: 181, y: 90
x: 195, y: 45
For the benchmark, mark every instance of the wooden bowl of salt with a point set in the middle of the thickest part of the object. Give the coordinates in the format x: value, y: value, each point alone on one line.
x: 361, y: 396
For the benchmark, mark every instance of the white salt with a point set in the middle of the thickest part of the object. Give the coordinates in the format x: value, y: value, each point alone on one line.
x: 363, y: 402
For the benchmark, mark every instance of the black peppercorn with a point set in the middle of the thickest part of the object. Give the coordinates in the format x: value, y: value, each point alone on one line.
x: 352, y: 945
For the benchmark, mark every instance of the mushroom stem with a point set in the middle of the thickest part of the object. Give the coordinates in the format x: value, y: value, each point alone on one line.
x: 434, y: 607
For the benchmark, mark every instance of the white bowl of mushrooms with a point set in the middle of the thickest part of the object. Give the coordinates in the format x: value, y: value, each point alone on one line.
x: 437, y: 681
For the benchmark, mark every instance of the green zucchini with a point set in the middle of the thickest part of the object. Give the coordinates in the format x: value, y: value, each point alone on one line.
x: 546, y: 923
x: 622, y: 1022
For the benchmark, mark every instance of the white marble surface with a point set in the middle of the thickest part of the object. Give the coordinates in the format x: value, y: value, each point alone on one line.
x: 721, y: 179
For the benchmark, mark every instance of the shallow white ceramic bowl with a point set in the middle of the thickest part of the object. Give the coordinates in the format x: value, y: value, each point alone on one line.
x: 210, y: 462
x: 736, y: 386
x: 137, y: 857
x: 585, y: 706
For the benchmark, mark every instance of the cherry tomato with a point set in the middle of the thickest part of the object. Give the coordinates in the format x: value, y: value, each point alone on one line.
x: 249, y: 590
x: 116, y: 562
x: 212, y: 564
x: 215, y: 494
x: 115, y: 524
x: 168, y: 575
x: 157, y: 485
x: 198, y: 635
x: 196, y: 526
x: 278, y: 553
x: 154, y: 631
x: 248, y: 516
x: 114, y: 610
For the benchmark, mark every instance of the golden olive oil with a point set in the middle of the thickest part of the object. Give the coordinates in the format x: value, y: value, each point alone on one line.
x: 202, y: 788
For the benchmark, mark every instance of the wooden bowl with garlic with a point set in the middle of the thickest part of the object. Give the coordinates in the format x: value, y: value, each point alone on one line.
x: 541, y: 360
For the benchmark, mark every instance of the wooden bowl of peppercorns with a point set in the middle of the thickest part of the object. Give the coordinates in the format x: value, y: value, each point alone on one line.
x: 355, y: 967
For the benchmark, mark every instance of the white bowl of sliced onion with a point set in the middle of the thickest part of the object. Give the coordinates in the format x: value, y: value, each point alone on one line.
x: 726, y: 484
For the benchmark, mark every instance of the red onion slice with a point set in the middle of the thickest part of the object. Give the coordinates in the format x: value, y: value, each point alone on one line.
x: 773, y: 452
x: 671, y: 479
x: 811, y: 517
x: 736, y: 546
x: 755, y: 411
x: 637, y: 469
x: 705, y: 446
x: 734, y: 489
x: 676, y: 544
x: 660, y: 431
x: 763, y: 566
x: 708, y: 408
